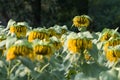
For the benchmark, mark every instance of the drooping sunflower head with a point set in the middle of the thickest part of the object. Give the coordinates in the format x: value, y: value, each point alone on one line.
x: 20, y: 48
x: 64, y: 29
x: 113, y: 53
x: 76, y: 44
x: 38, y: 34
x: 56, y: 43
x: 81, y: 21
x: 86, y: 43
x: 71, y: 43
x: 11, y: 54
x: 18, y: 30
x: 42, y: 48
x: 72, y: 47
x: 112, y: 42
x: 108, y: 34
x: 105, y: 36
x: 54, y: 31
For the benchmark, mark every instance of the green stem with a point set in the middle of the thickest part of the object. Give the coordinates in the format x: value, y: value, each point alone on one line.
x: 14, y: 67
x: 44, y: 67
x: 8, y: 70
x: 28, y: 78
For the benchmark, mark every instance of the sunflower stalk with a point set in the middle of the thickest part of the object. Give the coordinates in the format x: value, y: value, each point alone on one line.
x: 8, y: 70
x: 14, y: 67
x: 41, y: 70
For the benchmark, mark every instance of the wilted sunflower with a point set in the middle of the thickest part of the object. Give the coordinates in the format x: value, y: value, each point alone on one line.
x: 38, y: 34
x: 64, y: 29
x: 42, y: 48
x: 72, y: 46
x: 56, y: 43
x: 75, y: 45
x: 112, y: 55
x: 20, y: 48
x: 53, y: 32
x: 112, y: 42
x: 107, y: 34
x: 19, y: 30
x: 81, y: 21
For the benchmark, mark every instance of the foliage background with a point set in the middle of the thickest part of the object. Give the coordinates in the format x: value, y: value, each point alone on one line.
x: 50, y: 12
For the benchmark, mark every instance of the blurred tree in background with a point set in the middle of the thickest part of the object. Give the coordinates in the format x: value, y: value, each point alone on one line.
x: 20, y: 10
x: 104, y: 14
x: 50, y: 12
x: 61, y: 12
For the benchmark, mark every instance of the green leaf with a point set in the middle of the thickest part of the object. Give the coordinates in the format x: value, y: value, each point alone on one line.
x: 10, y: 23
x: 10, y: 41
x: 87, y: 34
x: 118, y: 72
x: 95, y: 35
x: 94, y: 52
x: 27, y: 62
x: 92, y: 69
x: 111, y: 74
x: 101, y: 59
x: 82, y: 76
x: 2, y: 43
x: 99, y: 45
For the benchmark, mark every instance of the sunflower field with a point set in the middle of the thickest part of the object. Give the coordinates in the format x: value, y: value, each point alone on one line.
x: 56, y: 53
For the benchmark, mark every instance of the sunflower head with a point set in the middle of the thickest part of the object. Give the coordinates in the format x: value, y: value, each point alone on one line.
x: 112, y: 42
x: 56, y: 43
x: 52, y: 32
x: 72, y: 47
x: 117, y: 50
x: 38, y: 34
x: 10, y: 55
x: 87, y: 43
x: 20, y: 48
x: 105, y: 36
x: 19, y: 30
x: 109, y: 34
x: 75, y: 45
x: 42, y: 48
x: 64, y: 29
x: 111, y: 55
x: 81, y: 21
